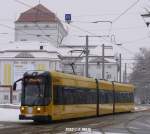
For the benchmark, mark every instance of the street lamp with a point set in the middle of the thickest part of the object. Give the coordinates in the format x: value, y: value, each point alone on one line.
x: 145, y: 17
x: 103, y: 21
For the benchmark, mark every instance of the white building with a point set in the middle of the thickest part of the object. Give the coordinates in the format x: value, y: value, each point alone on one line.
x: 38, y: 37
x: 38, y: 46
x: 39, y: 24
x: 5, y: 95
x: 23, y: 56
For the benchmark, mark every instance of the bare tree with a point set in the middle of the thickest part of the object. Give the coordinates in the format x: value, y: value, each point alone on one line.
x: 141, y: 76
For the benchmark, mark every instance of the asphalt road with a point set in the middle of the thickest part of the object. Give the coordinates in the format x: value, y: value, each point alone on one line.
x: 134, y: 123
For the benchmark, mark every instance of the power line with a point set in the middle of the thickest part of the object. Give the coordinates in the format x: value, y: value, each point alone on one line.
x: 77, y: 27
x: 20, y: 2
x: 129, y: 51
x: 124, y: 12
x: 101, y: 14
x: 134, y: 59
x: 81, y: 29
x: 121, y: 28
x: 91, y: 33
x: 12, y: 28
x: 132, y: 41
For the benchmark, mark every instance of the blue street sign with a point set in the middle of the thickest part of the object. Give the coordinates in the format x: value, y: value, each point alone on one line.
x: 68, y: 18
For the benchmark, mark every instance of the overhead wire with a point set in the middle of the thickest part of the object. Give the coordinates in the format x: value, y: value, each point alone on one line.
x: 77, y: 27
x: 12, y: 28
x: 27, y: 5
x: 91, y: 33
x: 121, y: 28
x: 132, y: 41
x: 81, y: 29
x: 101, y: 14
x: 125, y: 11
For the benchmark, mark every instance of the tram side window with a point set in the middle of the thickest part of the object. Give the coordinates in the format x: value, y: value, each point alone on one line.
x: 128, y: 97
x: 79, y: 96
x: 117, y: 97
x: 58, y: 95
x: 106, y: 96
x: 120, y: 97
x: 123, y: 97
x: 48, y: 88
x: 131, y: 97
x: 110, y: 97
x: 102, y: 97
x: 70, y: 95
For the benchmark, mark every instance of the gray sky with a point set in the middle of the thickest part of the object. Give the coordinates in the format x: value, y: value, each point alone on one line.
x: 127, y: 29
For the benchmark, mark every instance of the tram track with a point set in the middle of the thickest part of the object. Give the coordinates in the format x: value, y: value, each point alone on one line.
x: 96, y: 124
x: 127, y: 123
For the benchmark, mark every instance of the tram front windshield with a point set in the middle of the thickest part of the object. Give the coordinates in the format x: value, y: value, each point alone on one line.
x: 35, y: 92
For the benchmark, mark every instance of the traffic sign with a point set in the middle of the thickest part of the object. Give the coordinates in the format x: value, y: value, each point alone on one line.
x: 68, y: 18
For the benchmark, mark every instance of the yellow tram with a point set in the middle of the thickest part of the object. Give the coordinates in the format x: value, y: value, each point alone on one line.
x: 51, y: 96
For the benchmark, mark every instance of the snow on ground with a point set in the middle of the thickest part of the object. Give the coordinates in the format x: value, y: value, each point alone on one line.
x: 7, y: 114
x: 141, y: 108
x: 11, y: 115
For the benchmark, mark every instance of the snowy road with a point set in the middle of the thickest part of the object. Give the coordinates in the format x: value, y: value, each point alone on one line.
x: 136, y: 123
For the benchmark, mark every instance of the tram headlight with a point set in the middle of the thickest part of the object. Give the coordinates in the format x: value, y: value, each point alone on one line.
x: 22, y: 108
x: 38, y: 109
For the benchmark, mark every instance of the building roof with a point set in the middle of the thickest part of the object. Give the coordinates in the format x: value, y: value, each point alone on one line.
x: 38, y: 13
x: 23, y: 49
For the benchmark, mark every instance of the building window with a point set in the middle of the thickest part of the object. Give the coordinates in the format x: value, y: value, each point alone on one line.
x: 108, y: 76
x: 41, y: 47
x: 5, y: 97
x: 47, y: 26
x: 14, y: 97
x: 23, y: 39
x: 38, y: 35
x: 109, y: 66
x: 19, y: 98
x: 98, y: 66
x: 25, y: 26
x: 47, y: 35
